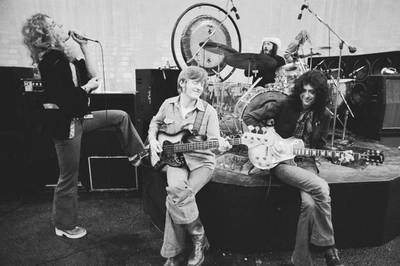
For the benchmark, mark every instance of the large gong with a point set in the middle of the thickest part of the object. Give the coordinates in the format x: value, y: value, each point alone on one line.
x: 205, y: 23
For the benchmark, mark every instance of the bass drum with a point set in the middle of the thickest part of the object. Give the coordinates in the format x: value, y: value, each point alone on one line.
x: 257, y: 98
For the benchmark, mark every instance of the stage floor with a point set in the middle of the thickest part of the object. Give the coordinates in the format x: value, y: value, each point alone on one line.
x: 120, y: 233
x: 263, y: 211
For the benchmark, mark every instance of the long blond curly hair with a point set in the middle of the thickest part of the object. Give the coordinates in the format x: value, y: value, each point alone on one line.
x: 39, y: 36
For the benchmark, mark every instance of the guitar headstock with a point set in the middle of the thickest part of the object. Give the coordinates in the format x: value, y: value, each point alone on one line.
x: 373, y: 156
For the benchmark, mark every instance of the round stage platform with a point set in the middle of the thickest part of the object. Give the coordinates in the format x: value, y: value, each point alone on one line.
x: 243, y: 211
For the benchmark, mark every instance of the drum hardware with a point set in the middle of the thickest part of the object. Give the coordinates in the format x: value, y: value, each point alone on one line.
x: 342, y: 42
x: 227, y: 15
x: 255, y: 72
x: 255, y: 83
x: 353, y: 73
x: 337, y: 116
x: 308, y: 55
x: 337, y: 91
x: 323, y: 48
x: 320, y: 63
x: 346, y: 116
x: 217, y: 48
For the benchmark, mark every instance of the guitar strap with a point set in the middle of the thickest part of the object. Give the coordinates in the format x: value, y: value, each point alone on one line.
x: 199, y: 119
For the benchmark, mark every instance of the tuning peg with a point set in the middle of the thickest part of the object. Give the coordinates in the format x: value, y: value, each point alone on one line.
x: 264, y: 130
x: 257, y: 129
x: 251, y: 128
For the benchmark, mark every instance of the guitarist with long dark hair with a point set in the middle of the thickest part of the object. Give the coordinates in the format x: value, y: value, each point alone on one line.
x: 189, y: 174
x: 303, y: 115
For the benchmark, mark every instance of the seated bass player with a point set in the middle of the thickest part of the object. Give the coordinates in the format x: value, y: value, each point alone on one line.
x: 303, y: 115
x: 186, y: 112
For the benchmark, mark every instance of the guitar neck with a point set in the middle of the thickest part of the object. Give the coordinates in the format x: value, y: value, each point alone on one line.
x: 322, y: 153
x: 200, y: 145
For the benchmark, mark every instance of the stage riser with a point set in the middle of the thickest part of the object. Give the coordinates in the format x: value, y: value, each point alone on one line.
x: 239, y: 218
x: 360, y: 212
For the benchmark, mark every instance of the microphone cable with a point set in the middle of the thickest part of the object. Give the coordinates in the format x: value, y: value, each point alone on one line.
x: 104, y: 79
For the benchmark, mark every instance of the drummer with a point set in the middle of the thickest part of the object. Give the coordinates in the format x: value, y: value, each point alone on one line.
x: 269, y: 46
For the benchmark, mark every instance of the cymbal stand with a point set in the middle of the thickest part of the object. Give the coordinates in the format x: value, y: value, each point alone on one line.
x: 352, y: 49
x: 337, y: 91
x: 346, y: 116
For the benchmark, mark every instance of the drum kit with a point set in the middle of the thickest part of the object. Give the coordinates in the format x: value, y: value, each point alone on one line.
x: 233, y: 100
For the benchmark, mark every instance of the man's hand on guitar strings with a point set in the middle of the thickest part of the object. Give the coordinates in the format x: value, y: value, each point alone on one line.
x: 155, y: 149
x: 223, y: 144
x: 276, y: 149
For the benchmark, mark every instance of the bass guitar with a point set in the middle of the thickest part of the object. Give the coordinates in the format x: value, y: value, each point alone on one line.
x: 174, y: 145
x: 262, y: 157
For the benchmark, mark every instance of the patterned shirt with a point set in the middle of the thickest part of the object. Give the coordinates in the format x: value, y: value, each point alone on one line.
x: 170, y: 120
x: 304, y: 127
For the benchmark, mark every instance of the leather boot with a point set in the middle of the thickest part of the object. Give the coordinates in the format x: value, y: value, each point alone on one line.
x: 200, y: 243
x: 174, y: 261
x: 332, y: 257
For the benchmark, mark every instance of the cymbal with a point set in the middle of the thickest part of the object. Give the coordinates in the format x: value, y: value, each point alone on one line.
x: 250, y: 61
x: 217, y: 48
x: 307, y: 55
x: 324, y: 48
x: 289, y: 67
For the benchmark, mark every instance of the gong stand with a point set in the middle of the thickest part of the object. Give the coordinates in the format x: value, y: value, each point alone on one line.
x: 209, y: 37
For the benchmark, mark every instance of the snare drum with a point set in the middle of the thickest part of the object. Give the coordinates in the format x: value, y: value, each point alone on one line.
x: 256, y: 98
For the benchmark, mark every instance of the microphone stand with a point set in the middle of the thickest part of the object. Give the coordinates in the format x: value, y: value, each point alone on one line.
x: 352, y: 50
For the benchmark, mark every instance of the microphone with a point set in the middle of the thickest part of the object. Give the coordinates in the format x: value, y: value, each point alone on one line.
x: 352, y: 49
x: 234, y: 9
x: 304, y: 6
x: 80, y: 37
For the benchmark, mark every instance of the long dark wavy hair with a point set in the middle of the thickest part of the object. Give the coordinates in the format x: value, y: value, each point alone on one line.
x: 319, y: 82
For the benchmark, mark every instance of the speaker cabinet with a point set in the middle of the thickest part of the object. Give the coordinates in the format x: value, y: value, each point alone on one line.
x: 153, y: 86
x: 387, y: 88
x: 376, y: 106
x: 111, y: 173
x: 103, y: 164
x: 11, y: 108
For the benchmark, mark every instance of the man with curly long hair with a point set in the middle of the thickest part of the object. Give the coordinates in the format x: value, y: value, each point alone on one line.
x: 303, y: 115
